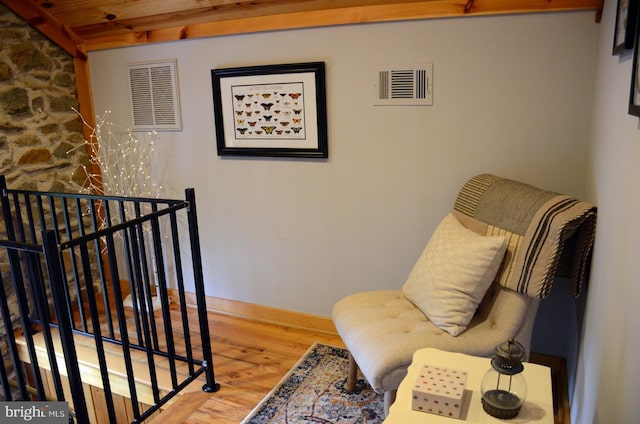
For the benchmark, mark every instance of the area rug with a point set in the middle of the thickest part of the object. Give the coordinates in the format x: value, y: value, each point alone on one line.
x: 313, y: 392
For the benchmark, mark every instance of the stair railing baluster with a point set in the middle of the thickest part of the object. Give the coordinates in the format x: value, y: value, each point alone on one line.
x: 97, y: 242
x: 11, y: 345
x: 196, y: 257
x: 97, y: 332
x: 181, y: 292
x: 164, y: 298
x: 146, y: 309
x: 143, y: 230
x: 42, y: 311
x: 122, y: 322
x: 62, y: 307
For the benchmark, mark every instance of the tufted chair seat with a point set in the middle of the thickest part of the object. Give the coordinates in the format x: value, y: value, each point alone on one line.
x: 383, y: 329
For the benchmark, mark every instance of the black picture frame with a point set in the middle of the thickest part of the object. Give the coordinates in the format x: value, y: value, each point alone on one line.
x: 625, y: 27
x: 634, y: 95
x: 271, y: 110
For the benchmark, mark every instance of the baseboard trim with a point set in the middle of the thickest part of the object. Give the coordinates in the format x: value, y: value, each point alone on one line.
x: 261, y: 313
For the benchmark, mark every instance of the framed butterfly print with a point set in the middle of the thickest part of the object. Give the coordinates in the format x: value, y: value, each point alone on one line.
x: 271, y: 110
x: 625, y: 27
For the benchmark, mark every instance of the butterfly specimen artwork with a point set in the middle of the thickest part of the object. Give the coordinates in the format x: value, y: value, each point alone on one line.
x: 269, y: 99
x: 271, y: 96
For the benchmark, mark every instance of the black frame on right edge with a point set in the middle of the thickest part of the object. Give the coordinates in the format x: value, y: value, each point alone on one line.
x: 625, y: 27
x: 634, y: 95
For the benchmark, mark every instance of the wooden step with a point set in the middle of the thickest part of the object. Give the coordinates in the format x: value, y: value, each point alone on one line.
x: 118, y: 380
x: 182, y: 406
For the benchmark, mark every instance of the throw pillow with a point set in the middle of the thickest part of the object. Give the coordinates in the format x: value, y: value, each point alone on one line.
x: 453, y: 274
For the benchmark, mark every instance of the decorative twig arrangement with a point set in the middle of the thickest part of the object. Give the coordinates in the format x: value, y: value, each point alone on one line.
x: 123, y: 160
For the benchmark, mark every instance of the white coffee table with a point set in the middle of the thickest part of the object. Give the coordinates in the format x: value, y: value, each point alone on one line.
x: 538, y: 406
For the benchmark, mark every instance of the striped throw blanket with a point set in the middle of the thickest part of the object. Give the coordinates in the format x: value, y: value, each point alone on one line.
x: 549, y: 235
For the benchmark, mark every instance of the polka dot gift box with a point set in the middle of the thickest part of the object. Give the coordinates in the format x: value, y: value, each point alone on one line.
x: 439, y: 391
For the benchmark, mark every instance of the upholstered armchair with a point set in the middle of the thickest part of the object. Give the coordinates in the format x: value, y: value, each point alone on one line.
x: 477, y: 283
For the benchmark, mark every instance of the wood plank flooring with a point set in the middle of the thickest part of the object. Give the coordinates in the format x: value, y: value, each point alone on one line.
x: 249, y: 358
x: 253, y: 349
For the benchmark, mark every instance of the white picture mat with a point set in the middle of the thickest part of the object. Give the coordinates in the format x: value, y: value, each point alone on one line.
x: 304, y: 80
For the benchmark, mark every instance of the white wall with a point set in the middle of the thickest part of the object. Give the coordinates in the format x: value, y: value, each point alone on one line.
x: 608, y: 384
x: 512, y: 96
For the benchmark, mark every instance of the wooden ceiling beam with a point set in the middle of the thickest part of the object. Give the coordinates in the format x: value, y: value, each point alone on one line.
x: 338, y: 16
x: 79, y: 26
x: 49, y: 26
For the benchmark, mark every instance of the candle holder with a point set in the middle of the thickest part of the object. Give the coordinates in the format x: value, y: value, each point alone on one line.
x: 503, y: 387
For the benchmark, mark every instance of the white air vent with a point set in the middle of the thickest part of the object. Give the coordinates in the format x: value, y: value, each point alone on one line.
x: 405, y: 85
x: 153, y: 90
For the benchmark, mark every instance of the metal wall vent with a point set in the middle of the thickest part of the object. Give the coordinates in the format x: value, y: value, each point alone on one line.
x: 405, y: 85
x: 153, y: 90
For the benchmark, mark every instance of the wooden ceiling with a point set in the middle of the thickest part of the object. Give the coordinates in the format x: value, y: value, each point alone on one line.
x: 79, y: 26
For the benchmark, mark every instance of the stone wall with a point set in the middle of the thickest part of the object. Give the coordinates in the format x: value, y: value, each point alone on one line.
x: 41, y: 142
x: 38, y: 128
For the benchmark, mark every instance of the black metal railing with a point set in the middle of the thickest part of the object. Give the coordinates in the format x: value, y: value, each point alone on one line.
x: 106, y: 269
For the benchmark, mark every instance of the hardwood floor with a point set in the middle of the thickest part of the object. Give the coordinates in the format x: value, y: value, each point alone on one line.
x: 253, y: 349
x: 249, y: 358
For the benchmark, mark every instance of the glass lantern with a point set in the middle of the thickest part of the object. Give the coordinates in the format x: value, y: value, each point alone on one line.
x: 503, y: 387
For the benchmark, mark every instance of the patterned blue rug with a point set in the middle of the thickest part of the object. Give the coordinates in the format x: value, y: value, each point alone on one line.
x: 313, y: 392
